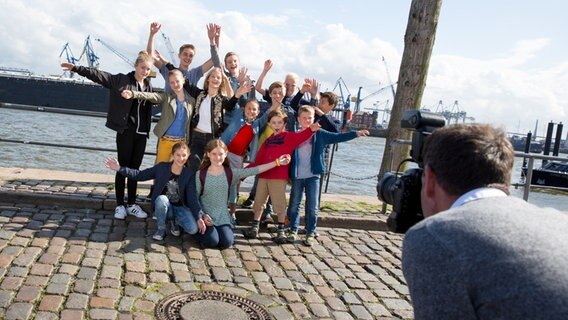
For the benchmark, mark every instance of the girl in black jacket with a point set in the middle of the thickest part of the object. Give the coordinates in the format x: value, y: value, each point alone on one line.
x: 131, y: 119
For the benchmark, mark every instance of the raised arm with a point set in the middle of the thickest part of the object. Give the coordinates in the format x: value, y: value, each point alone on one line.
x: 295, y: 103
x: 213, y: 33
x: 154, y: 28
x: 265, y: 69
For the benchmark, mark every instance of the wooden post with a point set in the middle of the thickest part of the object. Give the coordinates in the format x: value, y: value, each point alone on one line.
x: 418, y: 44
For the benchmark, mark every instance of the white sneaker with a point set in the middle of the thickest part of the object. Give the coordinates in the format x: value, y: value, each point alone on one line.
x: 136, y: 211
x: 120, y: 212
x: 174, y: 230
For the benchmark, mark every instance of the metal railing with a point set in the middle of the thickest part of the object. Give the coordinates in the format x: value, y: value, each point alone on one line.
x: 528, y: 177
x: 530, y: 167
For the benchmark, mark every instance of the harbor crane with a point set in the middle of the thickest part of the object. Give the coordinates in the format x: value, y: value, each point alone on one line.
x: 358, y: 99
x: 454, y: 114
x: 89, y: 52
x: 113, y: 50
x: 122, y: 56
x: 69, y: 56
x: 170, y: 48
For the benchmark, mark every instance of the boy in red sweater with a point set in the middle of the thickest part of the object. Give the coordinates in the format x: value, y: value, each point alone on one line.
x: 273, y: 183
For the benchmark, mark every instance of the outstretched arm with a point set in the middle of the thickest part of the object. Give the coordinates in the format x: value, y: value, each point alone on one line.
x: 154, y: 28
x: 135, y: 174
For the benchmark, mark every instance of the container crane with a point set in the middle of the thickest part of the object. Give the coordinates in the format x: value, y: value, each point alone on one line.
x: 122, y: 56
x: 89, y: 52
x: 358, y: 99
x: 170, y: 48
x: 69, y: 56
x: 345, y: 102
x: 389, y: 77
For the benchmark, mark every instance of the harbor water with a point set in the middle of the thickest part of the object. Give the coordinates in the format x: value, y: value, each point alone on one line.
x: 354, y: 167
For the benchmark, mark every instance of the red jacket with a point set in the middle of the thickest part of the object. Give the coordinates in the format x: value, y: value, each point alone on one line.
x: 276, y: 145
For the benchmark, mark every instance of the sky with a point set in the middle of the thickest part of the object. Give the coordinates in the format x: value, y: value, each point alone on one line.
x: 502, y: 62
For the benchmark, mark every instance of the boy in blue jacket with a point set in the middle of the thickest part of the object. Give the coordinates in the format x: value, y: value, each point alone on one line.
x: 305, y: 169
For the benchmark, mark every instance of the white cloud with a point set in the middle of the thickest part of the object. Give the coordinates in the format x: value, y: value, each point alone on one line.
x: 501, y: 90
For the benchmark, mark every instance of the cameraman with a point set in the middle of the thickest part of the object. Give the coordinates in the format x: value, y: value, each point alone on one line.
x: 479, y: 253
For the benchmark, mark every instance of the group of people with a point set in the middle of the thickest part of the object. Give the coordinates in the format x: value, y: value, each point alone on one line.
x: 478, y: 254
x: 207, y: 135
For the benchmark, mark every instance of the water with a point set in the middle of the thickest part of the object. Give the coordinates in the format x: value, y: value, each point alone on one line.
x: 355, y: 163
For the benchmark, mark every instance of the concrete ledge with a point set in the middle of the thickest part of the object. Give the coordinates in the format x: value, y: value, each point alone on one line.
x: 372, y: 222
x: 50, y: 199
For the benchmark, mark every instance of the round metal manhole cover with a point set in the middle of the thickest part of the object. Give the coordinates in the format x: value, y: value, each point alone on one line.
x: 209, y: 305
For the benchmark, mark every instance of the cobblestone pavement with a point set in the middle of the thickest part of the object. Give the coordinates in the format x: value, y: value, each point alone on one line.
x: 72, y: 260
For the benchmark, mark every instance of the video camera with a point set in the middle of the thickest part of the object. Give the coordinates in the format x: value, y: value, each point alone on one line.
x: 403, y: 192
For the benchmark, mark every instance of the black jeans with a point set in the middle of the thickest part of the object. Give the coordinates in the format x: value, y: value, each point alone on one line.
x: 130, y: 147
x: 198, y: 142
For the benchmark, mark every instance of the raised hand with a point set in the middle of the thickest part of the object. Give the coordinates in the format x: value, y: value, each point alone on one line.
x: 217, y: 35
x: 306, y: 86
x: 267, y: 65
x: 211, y: 31
x: 242, y: 76
x: 154, y: 28
x: 244, y: 88
x: 314, y: 88
x: 158, y: 57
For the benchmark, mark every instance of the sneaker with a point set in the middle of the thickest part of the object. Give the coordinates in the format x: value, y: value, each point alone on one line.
x: 251, y: 233
x: 175, y: 230
x: 292, y: 236
x: 310, y: 240
x: 267, y: 219
x: 136, y: 211
x: 120, y: 212
x: 280, y: 236
x: 248, y: 203
x: 304, y: 231
x: 159, y: 235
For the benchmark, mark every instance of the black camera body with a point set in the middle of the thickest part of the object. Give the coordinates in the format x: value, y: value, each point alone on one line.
x: 403, y: 192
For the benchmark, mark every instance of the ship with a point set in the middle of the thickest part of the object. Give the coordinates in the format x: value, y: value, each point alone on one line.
x: 22, y: 89
x: 552, y: 174
x: 519, y: 144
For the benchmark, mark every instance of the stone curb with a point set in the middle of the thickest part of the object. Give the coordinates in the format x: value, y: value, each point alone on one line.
x: 245, y: 215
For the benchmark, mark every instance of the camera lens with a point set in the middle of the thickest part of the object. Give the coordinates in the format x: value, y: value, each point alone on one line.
x: 386, y: 187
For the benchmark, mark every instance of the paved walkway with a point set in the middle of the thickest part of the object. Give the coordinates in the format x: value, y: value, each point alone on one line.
x: 72, y: 260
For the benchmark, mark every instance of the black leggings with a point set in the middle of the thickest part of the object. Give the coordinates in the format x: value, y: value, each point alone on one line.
x: 130, y: 147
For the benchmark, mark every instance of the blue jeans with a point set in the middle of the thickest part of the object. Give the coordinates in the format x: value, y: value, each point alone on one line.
x: 216, y: 237
x: 311, y: 186
x: 164, y: 210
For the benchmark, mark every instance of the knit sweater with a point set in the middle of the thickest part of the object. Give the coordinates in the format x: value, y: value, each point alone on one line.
x: 276, y: 145
x: 492, y: 258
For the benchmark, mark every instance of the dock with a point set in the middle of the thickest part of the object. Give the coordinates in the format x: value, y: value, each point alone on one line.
x: 64, y: 256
